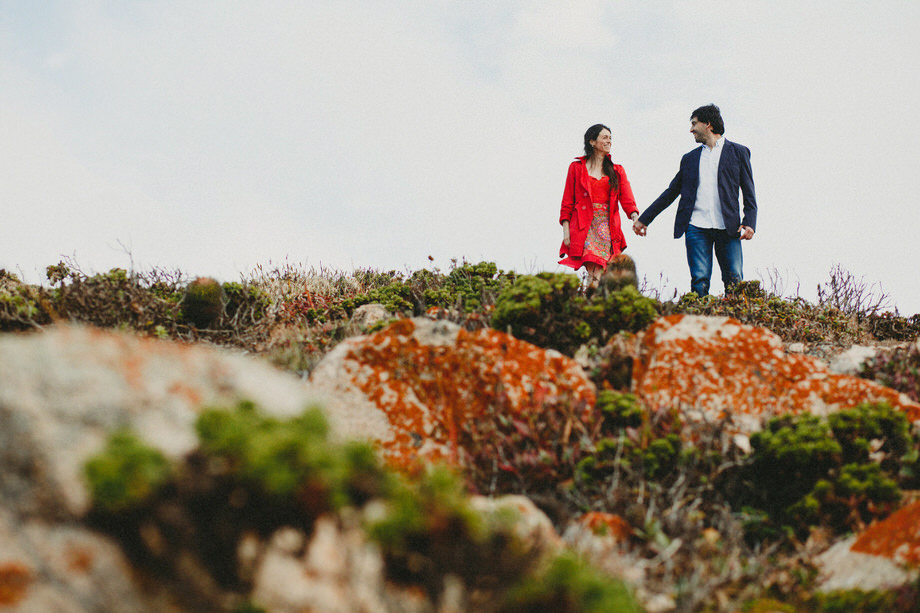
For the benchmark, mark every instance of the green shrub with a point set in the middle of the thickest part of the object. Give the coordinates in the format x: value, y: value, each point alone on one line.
x: 570, y: 586
x: 246, y: 304
x: 115, y: 299
x: 620, y: 410
x: 856, y: 601
x: 21, y: 307
x: 126, y: 474
x: 549, y: 310
x: 290, y: 459
x: 429, y: 531
x: 807, y: 471
x: 203, y: 302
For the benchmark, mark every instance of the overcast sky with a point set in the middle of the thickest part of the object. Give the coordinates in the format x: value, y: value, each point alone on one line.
x: 216, y: 136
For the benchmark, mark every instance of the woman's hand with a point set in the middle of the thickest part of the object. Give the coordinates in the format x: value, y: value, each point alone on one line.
x: 639, y: 228
x: 566, y: 238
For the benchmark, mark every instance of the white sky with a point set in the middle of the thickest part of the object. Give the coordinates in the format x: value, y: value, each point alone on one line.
x: 216, y: 136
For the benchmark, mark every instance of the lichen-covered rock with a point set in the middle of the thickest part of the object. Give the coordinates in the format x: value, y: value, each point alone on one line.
x: 849, y: 361
x: 841, y: 567
x: 410, y: 386
x: 68, y: 568
x: 897, y: 537
x: 710, y: 368
x: 532, y: 527
x: 336, y: 569
x: 366, y: 316
x: 63, y: 391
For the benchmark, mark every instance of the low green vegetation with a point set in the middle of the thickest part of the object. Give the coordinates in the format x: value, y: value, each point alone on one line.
x: 707, y: 517
x: 570, y: 586
x: 550, y: 310
x: 255, y: 472
x: 127, y: 474
x: 839, y: 472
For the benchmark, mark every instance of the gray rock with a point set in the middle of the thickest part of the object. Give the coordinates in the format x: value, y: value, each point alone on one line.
x: 366, y: 316
x: 64, y: 390
x: 842, y: 569
x: 848, y: 362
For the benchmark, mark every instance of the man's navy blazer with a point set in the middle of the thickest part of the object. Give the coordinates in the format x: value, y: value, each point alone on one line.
x: 734, y: 174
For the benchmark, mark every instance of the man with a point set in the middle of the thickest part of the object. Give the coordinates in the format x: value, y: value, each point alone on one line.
x: 708, y: 183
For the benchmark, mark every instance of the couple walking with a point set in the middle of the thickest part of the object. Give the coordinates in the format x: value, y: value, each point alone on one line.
x: 708, y: 215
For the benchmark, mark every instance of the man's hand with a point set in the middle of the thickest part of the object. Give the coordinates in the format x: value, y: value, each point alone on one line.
x: 639, y: 228
x: 747, y: 233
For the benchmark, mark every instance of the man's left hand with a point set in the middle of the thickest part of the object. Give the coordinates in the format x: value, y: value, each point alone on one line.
x: 747, y: 233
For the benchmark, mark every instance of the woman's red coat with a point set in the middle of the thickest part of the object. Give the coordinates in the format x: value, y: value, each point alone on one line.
x: 577, y: 209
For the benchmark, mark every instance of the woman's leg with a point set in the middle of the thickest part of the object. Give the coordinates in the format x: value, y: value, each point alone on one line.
x: 594, y: 273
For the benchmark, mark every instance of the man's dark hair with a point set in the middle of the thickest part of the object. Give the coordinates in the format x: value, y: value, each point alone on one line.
x: 712, y: 115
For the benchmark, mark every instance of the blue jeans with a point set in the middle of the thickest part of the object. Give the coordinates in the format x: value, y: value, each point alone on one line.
x: 701, y: 242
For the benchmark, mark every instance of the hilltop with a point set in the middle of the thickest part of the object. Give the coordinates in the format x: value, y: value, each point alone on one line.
x: 596, y: 427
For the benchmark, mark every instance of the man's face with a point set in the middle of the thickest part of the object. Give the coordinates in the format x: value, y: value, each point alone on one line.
x: 700, y: 131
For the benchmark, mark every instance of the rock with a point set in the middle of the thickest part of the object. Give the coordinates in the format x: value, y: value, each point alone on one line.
x: 63, y: 391
x: 68, y: 568
x: 710, y: 368
x: 410, y: 386
x: 897, y: 537
x: 337, y: 572
x: 850, y: 361
x: 532, y: 526
x: 842, y: 568
x: 366, y: 316
x: 620, y: 272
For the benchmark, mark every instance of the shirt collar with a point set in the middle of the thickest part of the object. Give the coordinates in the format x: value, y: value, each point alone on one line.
x: 719, y: 142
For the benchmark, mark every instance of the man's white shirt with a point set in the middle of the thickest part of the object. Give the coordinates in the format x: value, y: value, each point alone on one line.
x: 708, y: 211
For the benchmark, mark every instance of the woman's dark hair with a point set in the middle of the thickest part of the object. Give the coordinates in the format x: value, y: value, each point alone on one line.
x: 607, y: 166
x: 712, y: 115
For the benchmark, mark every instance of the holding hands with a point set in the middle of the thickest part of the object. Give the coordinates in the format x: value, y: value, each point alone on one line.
x: 638, y: 227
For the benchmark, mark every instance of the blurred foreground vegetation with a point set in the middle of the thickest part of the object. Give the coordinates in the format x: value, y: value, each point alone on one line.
x: 713, y: 524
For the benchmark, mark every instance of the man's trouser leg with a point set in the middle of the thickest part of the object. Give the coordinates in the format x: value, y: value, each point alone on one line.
x: 728, y: 253
x: 699, y: 244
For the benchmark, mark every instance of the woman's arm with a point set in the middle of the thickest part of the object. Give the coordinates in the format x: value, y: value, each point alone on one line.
x: 568, y: 196
x: 625, y: 196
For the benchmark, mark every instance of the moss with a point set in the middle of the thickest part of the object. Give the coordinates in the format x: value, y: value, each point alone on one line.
x: 246, y: 303
x: 570, y: 586
x: 857, y: 428
x: 856, y: 601
x: 768, y: 605
x: 203, y: 302
x: 291, y: 459
x: 548, y: 310
x: 429, y: 530
x: 839, y: 472
x: 127, y: 474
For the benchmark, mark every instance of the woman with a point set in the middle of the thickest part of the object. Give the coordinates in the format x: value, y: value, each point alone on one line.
x: 591, y: 233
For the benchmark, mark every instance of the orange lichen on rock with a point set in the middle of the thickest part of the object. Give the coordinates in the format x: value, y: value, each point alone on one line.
x: 606, y: 524
x: 14, y: 582
x: 897, y: 537
x: 715, y: 367
x: 428, y: 378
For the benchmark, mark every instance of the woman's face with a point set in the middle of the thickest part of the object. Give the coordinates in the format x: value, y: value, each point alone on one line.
x: 603, y: 142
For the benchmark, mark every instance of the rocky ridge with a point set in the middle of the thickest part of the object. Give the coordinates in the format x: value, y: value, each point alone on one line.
x: 409, y: 388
